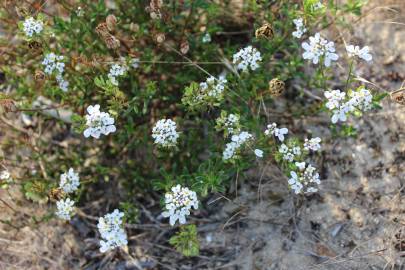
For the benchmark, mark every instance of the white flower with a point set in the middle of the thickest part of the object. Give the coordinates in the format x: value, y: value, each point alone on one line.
x: 206, y: 38
x: 300, y: 28
x: 231, y: 123
x: 247, y: 58
x: 32, y: 26
x: 294, y: 183
x: 312, y: 144
x: 318, y: 5
x: 111, y: 230
x: 178, y: 204
x: 65, y: 208
x: 341, y: 105
x: 305, y: 180
x: 53, y: 64
x: 289, y: 153
x: 361, y: 99
x: 335, y: 98
x: 5, y: 175
x: 98, y: 122
x: 164, y: 132
x: 116, y: 70
x: 135, y: 63
x: 258, y: 153
x: 237, y: 140
x: 300, y: 165
x: 212, y: 88
x: 319, y: 47
x: 70, y: 181
x: 278, y: 132
x: 361, y: 53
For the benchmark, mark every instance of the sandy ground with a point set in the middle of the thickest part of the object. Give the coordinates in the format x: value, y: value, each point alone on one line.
x: 357, y: 221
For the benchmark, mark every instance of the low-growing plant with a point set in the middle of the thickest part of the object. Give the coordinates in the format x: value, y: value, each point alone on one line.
x: 173, y: 97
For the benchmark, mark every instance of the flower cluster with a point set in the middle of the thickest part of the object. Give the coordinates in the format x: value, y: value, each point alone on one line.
x: 65, y: 208
x: 231, y: 123
x: 278, y: 132
x: 360, y: 53
x: 289, y: 153
x: 213, y: 88
x: 210, y: 92
x: 306, y: 178
x: 178, y: 204
x: 319, y: 47
x: 300, y: 28
x: 237, y: 140
x: 98, y: 122
x: 115, y: 71
x: 247, y: 58
x: 32, y: 26
x: 164, y: 132
x: 312, y: 144
x: 70, y: 181
x: 341, y: 105
x: 111, y: 231
x: 53, y: 63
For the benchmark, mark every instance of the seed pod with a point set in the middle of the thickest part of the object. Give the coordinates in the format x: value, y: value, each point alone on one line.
x: 112, y: 42
x: 160, y: 37
x: 184, y: 47
x: 39, y: 76
x: 111, y: 21
x: 276, y: 87
x: 399, y: 96
x: 265, y: 31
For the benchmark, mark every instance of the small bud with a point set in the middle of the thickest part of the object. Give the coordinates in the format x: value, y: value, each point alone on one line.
x: 111, y: 21
x: 184, y: 47
x: 276, y: 87
x: 265, y: 31
x: 160, y: 38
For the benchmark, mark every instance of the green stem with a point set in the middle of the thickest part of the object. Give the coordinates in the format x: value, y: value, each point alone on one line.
x: 349, y: 75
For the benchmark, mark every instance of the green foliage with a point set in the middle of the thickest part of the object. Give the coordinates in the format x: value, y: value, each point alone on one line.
x: 36, y: 190
x: 186, y: 241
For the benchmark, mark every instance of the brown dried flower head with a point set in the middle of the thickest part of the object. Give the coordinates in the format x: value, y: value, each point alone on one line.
x: 184, y: 47
x: 35, y: 46
x: 276, y: 87
x: 398, y: 96
x: 160, y: 37
x: 265, y: 31
x: 7, y: 105
x: 102, y: 29
x: 39, y: 76
x: 56, y: 194
x: 111, y: 22
x: 112, y: 42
